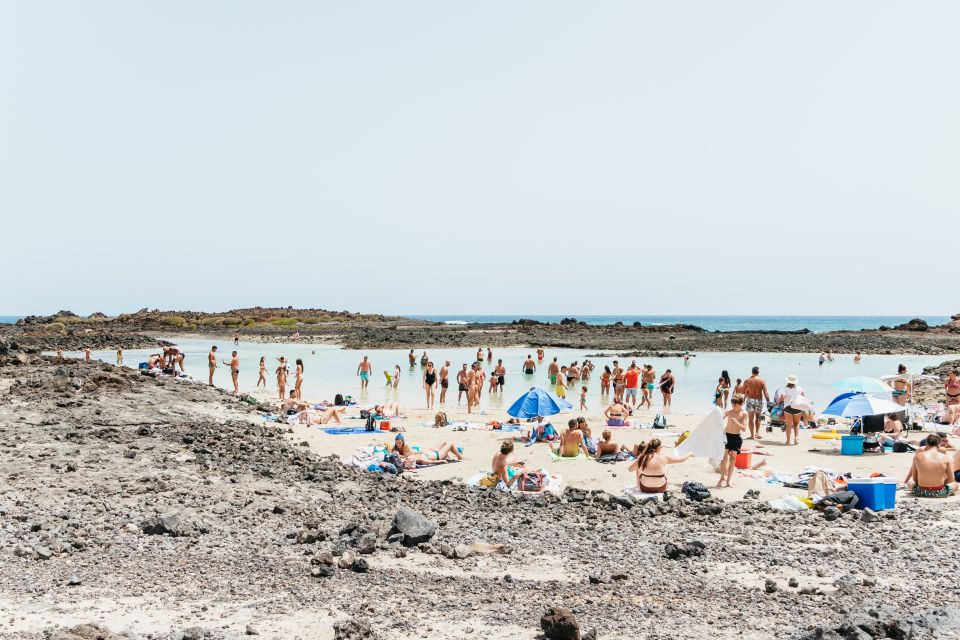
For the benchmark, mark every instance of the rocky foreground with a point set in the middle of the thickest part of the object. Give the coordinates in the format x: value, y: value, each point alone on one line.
x: 145, y: 328
x: 136, y: 508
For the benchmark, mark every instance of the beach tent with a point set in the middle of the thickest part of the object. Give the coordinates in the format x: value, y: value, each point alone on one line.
x: 857, y: 405
x: 537, y: 402
x: 707, y: 439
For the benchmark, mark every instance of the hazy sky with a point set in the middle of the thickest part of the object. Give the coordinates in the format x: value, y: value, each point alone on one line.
x: 635, y: 157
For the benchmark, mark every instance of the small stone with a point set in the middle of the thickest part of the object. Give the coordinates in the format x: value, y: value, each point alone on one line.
x: 74, y: 581
x: 770, y: 586
x: 793, y: 582
x: 869, y: 516
x: 250, y: 631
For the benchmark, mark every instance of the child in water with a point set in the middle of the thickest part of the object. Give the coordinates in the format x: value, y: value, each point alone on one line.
x: 583, y: 398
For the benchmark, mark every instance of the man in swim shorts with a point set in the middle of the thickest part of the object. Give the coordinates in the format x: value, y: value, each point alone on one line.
x: 631, y: 381
x: 931, y: 474
x: 363, y: 370
x: 649, y: 375
x: 212, y: 362
x: 234, y: 371
x: 552, y: 370
x: 462, y: 382
x: 755, y: 390
x: 444, y: 381
x: 500, y: 373
x: 529, y: 366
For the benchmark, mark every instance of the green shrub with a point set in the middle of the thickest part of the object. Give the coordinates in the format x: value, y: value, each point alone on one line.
x: 231, y: 322
x: 284, y: 322
x: 56, y: 326
x: 173, y: 321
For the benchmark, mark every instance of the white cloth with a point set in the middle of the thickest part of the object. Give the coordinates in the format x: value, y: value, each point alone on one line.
x: 794, y: 398
x: 707, y: 439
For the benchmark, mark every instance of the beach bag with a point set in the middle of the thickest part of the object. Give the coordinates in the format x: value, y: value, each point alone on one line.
x: 440, y: 420
x: 395, y: 460
x: 371, y: 424
x: 364, y: 414
x: 530, y: 481
x: 844, y: 500
x: 900, y: 447
x: 659, y: 422
x: 821, y: 485
x: 695, y: 491
x: 490, y: 480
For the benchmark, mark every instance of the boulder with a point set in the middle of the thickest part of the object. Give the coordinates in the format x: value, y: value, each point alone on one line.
x: 415, y: 528
x: 559, y: 624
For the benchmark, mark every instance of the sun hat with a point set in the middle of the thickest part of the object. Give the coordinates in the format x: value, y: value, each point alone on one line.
x: 792, y: 379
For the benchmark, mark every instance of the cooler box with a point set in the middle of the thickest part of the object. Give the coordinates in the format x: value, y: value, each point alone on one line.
x: 851, y: 446
x: 384, y: 425
x: 876, y: 493
x: 142, y: 365
x: 744, y: 460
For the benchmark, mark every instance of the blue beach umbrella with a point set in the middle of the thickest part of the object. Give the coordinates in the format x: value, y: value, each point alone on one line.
x: 863, y: 384
x: 857, y: 405
x: 537, y: 402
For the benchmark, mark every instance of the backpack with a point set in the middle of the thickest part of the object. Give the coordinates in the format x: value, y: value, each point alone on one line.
x: 396, y: 461
x: 530, y: 481
x: 844, y: 500
x: 371, y: 424
x: 900, y: 447
x: 659, y: 422
x: 364, y: 414
x: 695, y: 491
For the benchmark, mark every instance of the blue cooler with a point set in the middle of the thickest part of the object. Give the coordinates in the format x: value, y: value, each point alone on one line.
x: 851, y: 446
x: 876, y: 493
x: 142, y: 365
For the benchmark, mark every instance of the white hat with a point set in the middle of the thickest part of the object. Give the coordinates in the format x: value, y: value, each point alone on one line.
x: 792, y: 379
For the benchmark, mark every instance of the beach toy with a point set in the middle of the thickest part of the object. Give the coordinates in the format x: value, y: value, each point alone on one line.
x: 826, y: 435
x: 744, y: 460
x: 851, y: 445
x: 385, y: 425
x: 876, y: 493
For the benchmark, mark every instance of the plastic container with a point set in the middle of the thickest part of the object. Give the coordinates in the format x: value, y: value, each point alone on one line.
x: 142, y: 365
x: 744, y: 460
x: 851, y: 445
x: 384, y: 425
x: 877, y: 493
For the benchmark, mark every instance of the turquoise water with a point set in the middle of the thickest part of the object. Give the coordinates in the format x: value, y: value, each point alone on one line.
x: 9, y: 319
x: 330, y: 370
x: 717, y: 323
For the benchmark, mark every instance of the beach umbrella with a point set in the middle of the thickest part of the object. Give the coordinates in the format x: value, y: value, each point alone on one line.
x: 537, y: 402
x: 857, y: 405
x: 863, y: 384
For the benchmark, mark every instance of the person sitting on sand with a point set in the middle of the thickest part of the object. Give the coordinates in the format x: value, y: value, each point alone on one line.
x: 931, y: 474
x: 425, y: 457
x: 952, y: 389
x: 387, y: 410
x: 500, y: 467
x: 310, y: 417
x: 734, y: 424
x: 572, y: 442
x: 607, y: 446
x: 293, y: 405
x: 616, y: 414
x: 651, y: 467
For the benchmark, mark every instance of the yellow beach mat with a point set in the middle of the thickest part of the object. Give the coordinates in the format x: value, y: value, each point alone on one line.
x: 826, y: 435
x: 580, y: 456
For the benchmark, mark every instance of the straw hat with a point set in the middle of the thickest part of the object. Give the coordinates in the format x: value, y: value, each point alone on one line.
x: 791, y: 379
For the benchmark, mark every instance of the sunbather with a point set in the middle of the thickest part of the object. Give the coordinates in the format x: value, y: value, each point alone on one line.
x: 608, y: 447
x: 294, y: 405
x: 500, y: 467
x: 387, y: 410
x: 616, y: 414
x: 311, y: 417
x: 651, y: 467
x: 426, y: 457
x: 572, y: 442
x: 931, y: 474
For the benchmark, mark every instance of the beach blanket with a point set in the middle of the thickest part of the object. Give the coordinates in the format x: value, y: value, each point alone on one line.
x: 342, y: 430
x: 707, y: 440
x: 580, y: 456
x: 552, y: 482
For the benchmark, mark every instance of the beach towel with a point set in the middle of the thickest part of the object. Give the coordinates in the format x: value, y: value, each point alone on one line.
x: 707, y: 440
x: 580, y: 456
x: 552, y: 483
x: 342, y: 430
x: 637, y: 493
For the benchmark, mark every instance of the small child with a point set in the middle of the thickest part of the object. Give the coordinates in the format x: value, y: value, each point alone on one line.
x: 583, y: 399
x: 493, y: 384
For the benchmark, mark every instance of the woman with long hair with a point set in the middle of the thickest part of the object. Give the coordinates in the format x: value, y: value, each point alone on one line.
x: 299, y: 381
x: 263, y: 373
x: 430, y: 383
x: 651, y: 467
x: 725, y: 380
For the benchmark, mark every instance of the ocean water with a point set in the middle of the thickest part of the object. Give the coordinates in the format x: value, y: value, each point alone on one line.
x: 9, y: 319
x: 329, y: 370
x: 714, y: 323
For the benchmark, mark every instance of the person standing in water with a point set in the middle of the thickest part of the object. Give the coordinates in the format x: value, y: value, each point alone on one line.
x: 363, y: 370
x: 234, y: 371
x: 902, y: 386
x: 263, y: 372
x: 119, y: 356
x: 444, y: 381
x: 489, y: 354
x: 413, y: 359
x: 500, y: 373
x: 539, y: 354
x: 553, y: 369
x: 212, y: 363
x: 236, y: 337
x: 396, y: 377
x: 298, y: 383
x: 429, y: 383
x: 667, y: 385
x: 649, y: 375
x: 462, y: 381
x: 282, y: 379
x: 529, y: 366
x: 86, y: 354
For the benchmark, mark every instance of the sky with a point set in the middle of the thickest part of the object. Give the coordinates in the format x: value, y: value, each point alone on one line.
x: 527, y: 157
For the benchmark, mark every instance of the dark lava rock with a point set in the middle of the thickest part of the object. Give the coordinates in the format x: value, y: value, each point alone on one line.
x: 559, y: 624
x: 85, y: 632
x: 691, y: 548
x: 159, y: 525
x: 869, y: 515
x: 770, y: 586
x: 354, y: 629
x: 414, y: 527
x: 831, y: 513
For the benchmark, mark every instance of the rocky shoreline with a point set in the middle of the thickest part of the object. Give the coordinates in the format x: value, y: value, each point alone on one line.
x: 355, y: 331
x: 172, y: 509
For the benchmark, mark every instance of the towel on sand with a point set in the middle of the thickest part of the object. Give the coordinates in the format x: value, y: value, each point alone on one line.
x: 637, y: 493
x: 552, y: 482
x: 580, y: 456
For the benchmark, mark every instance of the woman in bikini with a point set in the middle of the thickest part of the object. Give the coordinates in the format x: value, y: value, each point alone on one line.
x: 299, y: 382
x: 901, y: 386
x: 282, y: 380
x: 605, y: 381
x: 425, y: 457
x: 616, y: 414
x: 310, y: 417
x: 952, y: 388
x: 651, y: 467
x: 263, y: 373
x: 430, y: 383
